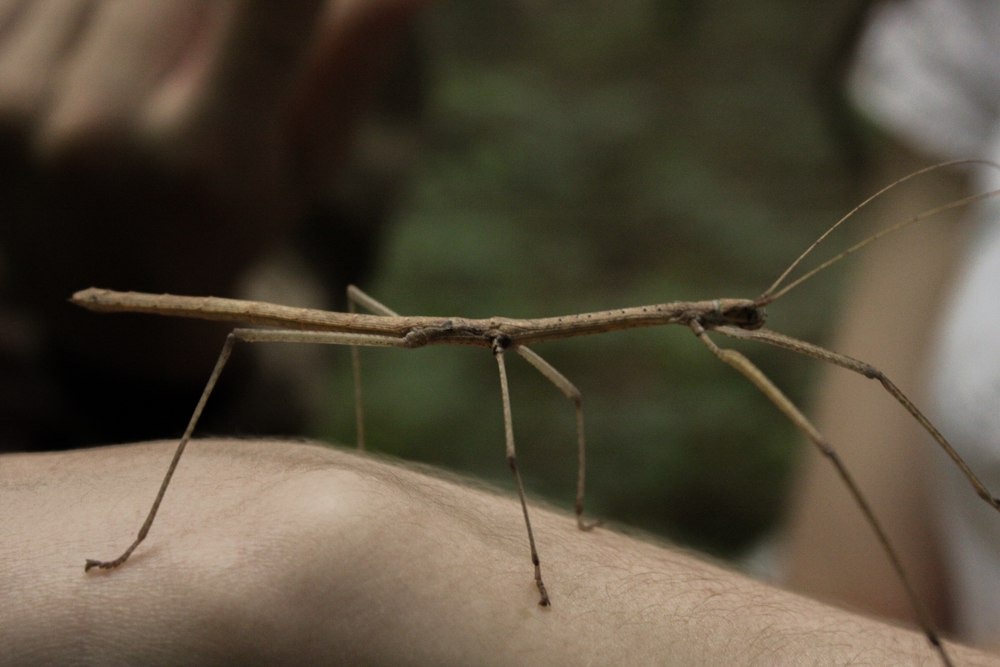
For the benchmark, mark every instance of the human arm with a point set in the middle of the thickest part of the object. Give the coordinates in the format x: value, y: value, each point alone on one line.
x: 288, y: 552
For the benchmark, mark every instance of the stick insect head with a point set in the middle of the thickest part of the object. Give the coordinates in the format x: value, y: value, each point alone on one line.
x: 742, y: 313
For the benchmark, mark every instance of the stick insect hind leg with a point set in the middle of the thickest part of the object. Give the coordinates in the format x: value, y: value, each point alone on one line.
x: 750, y: 371
x: 247, y: 336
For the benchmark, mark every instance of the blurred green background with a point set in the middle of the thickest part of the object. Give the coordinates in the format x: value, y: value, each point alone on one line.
x: 587, y: 155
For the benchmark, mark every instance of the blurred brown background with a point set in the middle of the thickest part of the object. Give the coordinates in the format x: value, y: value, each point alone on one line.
x: 583, y: 156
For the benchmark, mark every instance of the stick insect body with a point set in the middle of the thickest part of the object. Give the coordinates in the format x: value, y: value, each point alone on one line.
x: 738, y: 318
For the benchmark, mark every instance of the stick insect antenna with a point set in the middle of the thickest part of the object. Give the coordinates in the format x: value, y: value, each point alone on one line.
x: 776, y: 291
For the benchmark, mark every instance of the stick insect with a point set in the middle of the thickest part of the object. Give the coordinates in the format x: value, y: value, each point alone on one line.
x: 733, y: 317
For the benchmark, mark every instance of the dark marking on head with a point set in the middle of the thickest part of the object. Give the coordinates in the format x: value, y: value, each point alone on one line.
x: 736, y: 313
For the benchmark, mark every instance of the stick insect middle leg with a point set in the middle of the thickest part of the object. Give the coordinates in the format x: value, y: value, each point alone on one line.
x: 570, y: 391
x: 357, y: 297
x: 508, y: 428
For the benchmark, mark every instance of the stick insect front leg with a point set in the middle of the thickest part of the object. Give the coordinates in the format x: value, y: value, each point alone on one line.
x: 870, y: 372
x: 247, y: 336
x: 757, y: 377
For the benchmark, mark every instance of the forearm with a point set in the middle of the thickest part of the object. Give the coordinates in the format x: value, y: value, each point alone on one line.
x: 284, y: 552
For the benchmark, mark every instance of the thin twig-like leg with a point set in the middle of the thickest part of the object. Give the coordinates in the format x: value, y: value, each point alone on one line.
x: 508, y: 427
x: 220, y: 363
x: 782, y: 402
x: 355, y: 298
x: 249, y: 336
x: 868, y: 371
x: 359, y: 406
x: 570, y: 391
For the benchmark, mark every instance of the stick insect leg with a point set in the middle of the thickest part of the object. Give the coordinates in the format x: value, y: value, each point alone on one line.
x: 869, y: 371
x: 355, y: 298
x: 570, y: 391
x: 250, y: 336
x: 778, y: 398
x: 220, y: 363
x: 508, y: 427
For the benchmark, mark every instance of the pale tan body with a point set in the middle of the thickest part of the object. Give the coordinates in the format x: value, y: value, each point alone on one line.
x: 415, y: 331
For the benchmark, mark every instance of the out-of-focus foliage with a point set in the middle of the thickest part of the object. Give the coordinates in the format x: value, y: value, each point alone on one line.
x: 587, y: 155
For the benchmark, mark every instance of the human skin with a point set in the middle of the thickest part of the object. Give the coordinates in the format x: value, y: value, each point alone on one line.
x: 281, y: 552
